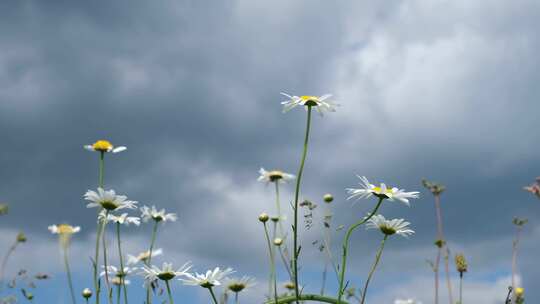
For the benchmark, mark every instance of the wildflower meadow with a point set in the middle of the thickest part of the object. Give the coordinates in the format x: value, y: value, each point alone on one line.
x: 188, y: 152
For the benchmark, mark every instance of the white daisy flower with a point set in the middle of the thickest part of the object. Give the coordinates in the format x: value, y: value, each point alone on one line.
x: 320, y: 103
x: 381, y: 191
x: 158, y: 216
x: 115, y: 271
x: 121, y: 219
x: 65, y: 232
x: 274, y: 176
x: 210, y: 279
x: 143, y: 256
x: 240, y: 284
x: 64, y: 229
x: 108, y: 200
x: 104, y: 146
x: 407, y: 301
x: 166, y: 272
x: 389, y: 227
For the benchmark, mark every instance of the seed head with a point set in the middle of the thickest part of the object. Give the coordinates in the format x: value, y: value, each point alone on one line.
x: 461, y: 263
x: 86, y: 293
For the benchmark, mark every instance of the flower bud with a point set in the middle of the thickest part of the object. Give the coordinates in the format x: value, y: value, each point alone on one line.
x: 328, y: 198
x: 461, y: 263
x: 21, y: 238
x: 263, y: 217
x: 87, y: 293
x: 4, y: 209
x: 278, y: 241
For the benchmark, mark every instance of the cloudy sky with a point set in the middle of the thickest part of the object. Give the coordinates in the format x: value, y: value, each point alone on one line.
x: 446, y: 90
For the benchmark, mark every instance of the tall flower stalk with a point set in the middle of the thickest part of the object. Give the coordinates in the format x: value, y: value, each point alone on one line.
x: 373, y: 267
x: 321, y: 104
x: 442, y: 247
x: 65, y: 232
x: 21, y: 238
x: 518, y: 223
x: 272, y: 281
x: 101, y: 146
x: 152, y: 214
x: 368, y: 190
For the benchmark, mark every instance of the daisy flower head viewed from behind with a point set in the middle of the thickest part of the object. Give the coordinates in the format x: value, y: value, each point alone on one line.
x: 382, y: 192
x: 166, y: 273
x: 65, y: 232
x: 320, y: 103
x: 239, y: 284
x: 123, y: 219
x: 158, y: 216
x: 108, y: 200
x: 104, y: 146
x: 389, y: 227
x: 208, y: 280
x: 143, y: 256
x: 116, y: 272
x: 274, y: 176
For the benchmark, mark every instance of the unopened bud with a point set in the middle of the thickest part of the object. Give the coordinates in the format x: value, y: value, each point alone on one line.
x: 278, y: 241
x: 87, y: 293
x: 21, y: 238
x: 263, y: 217
x: 328, y: 198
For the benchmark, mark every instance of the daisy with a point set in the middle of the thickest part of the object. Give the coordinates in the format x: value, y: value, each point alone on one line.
x: 381, y: 191
x: 64, y: 229
x: 121, y: 219
x: 208, y: 280
x: 114, y: 271
x: 104, y: 146
x: 158, y: 216
x: 274, y: 176
x: 108, y: 200
x: 166, y: 272
x: 143, y: 256
x: 320, y: 103
x: 237, y: 285
x: 389, y: 227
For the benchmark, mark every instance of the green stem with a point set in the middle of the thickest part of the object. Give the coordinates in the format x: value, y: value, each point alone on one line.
x: 118, y: 291
x: 461, y: 288
x: 377, y: 259
x: 236, y: 298
x: 149, y: 261
x: 96, y: 259
x: 272, y: 281
x: 121, y: 257
x: 346, y: 248
x: 5, y: 260
x: 105, y: 264
x: 101, y: 168
x: 169, y: 292
x: 308, y: 297
x: 68, y: 272
x: 296, y: 252
x: 284, y: 256
x: 213, y: 295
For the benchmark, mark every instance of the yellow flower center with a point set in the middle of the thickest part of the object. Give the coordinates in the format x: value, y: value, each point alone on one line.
x: 310, y: 100
x: 520, y: 291
x: 102, y: 145
x: 65, y: 229
x: 379, y: 190
x: 275, y: 175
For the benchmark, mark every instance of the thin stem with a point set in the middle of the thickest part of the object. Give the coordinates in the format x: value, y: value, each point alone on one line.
x: 296, y: 252
x: 377, y: 259
x: 169, y: 292
x: 5, y: 260
x: 436, y: 271
x: 118, y: 291
x: 308, y: 297
x: 105, y: 264
x: 514, y: 256
x: 68, y: 272
x: 236, y: 298
x: 283, y: 250
x: 101, y: 168
x: 213, y: 295
x: 346, y: 248
x: 149, y: 261
x: 447, y: 273
x: 324, y: 277
x: 96, y: 259
x: 121, y: 257
x: 461, y: 288
x: 272, y: 281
